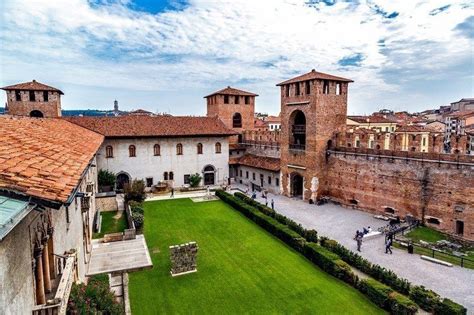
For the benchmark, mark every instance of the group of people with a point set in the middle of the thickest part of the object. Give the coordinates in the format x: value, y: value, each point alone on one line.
x: 360, y: 235
x: 264, y: 196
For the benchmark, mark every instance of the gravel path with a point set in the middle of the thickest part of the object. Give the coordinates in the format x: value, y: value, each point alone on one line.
x: 339, y: 223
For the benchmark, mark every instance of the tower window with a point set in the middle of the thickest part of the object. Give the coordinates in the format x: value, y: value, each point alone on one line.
x: 218, y: 147
x: 287, y: 90
x: 199, y: 148
x: 109, y: 151
x: 156, y: 150
x: 307, y: 88
x: 325, y: 87
x: 17, y: 95
x: 247, y: 100
x: 237, y: 120
x: 32, y: 96
x: 132, y: 151
x: 338, y: 88
x: 226, y: 99
x: 45, y: 96
x: 179, y: 149
x: 237, y: 98
x: 297, y: 90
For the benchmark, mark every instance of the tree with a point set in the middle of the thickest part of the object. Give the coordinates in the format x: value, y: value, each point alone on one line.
x: 194, y: 180
x: 106, y: 178
x: 135, y: 191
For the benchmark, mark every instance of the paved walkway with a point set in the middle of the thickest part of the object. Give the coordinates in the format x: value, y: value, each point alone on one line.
x: 339, y: 223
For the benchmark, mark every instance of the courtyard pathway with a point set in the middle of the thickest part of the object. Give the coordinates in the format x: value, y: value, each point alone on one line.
x: 339, y: 223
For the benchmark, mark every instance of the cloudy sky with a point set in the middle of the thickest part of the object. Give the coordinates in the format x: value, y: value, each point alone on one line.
x: 164, y: 56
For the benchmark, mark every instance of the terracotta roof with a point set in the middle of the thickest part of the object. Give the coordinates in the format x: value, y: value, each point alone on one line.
x: 313, y: 74
x: 231, y: 91
x: 259, y: 123
x: 256, y: 161
x: 370, y: 119
x: 412, y: 128
x: 461, y: 114
x: 44, y: 158
x: 273, y: 119
x: 153, y: 126
x: 33, y: 85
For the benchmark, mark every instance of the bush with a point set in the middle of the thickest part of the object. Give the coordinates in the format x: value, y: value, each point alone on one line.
x: 311, y: 236
x: 138, y: 220
x: 93, y: 298
x: 135, y: 191
x: 136, y: 207
x: 427, y: 299
x: 106, y: 178
x: 194, y: 180
x: 376, y: 292
x: 449, y: 307
x: 401, y: 305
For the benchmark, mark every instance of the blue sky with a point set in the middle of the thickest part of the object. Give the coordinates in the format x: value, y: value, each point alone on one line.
x: 164, y: 56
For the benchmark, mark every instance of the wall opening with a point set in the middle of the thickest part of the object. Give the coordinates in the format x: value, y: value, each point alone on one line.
x: 296, y: 185
x: 297, y: 130
x: 432, y: 220
x: 353, y: 202
x: 389, y: 210
x: 36, y: 113
x: 459, y: 227
x: 237, y: 120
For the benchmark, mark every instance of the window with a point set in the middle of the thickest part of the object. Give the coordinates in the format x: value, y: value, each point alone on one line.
x: 45, y: 96
x: 236, y: 99
x: 269, y: 180
x: 459, y: 227
x: 179, y: 149
x: 287, y: 90
x: 218, y: 147
x: 149, y: 181
x: 171, y: 176
x: 247, y: 100
x: 389, y: 210
x: 423, y: 141
x: 307, y: 87
x: 277, y: 182
x: 246, y: 174
x: 186, y: 179
x: 109, y: 151
x: 156, y: 150
x: 32, y: 96
x: 131, y: 151
x: 357, y: 144
x: 165, y: 175
x: 240, y: 172
x: 17, y: 96
x: 325, y: 87
x: 226, y: 99
x: 237, y: 120
x: 199, y: 148
x: 297, y: 89
x: 432, y: 220
x: 253, y: 176
x: 338, y: 88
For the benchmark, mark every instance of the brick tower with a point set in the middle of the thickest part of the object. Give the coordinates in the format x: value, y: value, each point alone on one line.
x: 234, y: 107
x: 313, y: 108
x: 33, y: 99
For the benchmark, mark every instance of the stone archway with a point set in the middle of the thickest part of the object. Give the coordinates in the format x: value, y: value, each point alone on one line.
x: 36, y: 113
x: 209, y: 173
x: 123, y: 180
x: 296, y: 185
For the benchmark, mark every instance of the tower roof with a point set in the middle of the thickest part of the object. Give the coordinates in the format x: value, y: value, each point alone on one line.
x: 313, y: 74
x: 231, y: 91
x: 33, y: 85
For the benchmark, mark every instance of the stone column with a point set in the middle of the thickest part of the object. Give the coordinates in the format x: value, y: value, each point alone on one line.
x: 40, y: 297
x: 46, y: 274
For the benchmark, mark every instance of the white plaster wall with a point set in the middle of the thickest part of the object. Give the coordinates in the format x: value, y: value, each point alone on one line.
x: 146, y: 164
x: 248, y: 181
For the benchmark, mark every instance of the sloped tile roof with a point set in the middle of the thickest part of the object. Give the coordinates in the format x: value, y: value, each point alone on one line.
x: 313, y: 74
x: 153, y: 126
x: 33, y: 85
x: 370, y: 119
x: 231, y: 91
x: 263, y: 162
x: 44, y: 158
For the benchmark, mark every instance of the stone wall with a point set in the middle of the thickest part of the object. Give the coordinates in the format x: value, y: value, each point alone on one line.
x: 435, y: 191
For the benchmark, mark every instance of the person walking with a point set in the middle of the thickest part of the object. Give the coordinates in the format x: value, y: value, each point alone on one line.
x: 172, y: 192
x: 388, y: 245
x: 266, y: 203
x: 359, y: 241
x: 273, y: 205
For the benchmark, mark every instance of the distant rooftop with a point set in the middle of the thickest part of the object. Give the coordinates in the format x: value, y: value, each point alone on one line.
x: 232, y: 91
x: 33, y: 85
x: 313, y: 74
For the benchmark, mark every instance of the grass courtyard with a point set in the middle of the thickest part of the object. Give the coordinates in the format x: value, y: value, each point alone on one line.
x: 241, y: 268
x: 112, y: 222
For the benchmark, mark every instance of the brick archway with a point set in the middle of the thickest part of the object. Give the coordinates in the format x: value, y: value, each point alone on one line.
x: 36, y: 113
x: 296, y: 185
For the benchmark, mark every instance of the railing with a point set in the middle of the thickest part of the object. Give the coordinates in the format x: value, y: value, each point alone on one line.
x: 297, y: 147
x: 58, y: 304
x: 298, y: 129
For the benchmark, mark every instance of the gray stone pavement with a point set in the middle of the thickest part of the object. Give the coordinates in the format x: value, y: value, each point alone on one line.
x: 339, y: 223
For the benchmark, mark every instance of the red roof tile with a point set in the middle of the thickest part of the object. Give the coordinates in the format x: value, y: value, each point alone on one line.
x: 231, y: 91
x: 412, y: 128
x: 313, y: 74
x: 462, y: 114
x: 153, y: 126
x: 33, y: 85
x: 263, y: 162
x: 370, y: 119
x: 44, y: 158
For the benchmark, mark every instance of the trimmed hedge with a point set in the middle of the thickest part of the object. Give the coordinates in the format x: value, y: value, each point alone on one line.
x: 448, y: 307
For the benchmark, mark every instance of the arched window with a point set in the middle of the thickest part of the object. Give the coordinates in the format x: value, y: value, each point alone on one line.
x: 171, y: 176
x: 36, y: 113
x: 165, y: 175
x: 132, y: 151
x: 156, y: 150
x: 199, y: 148
x: 109, y: 151
x: 297, y: 130
x: 237, y: 120
x: 179, y: 149
x: 218, y: 147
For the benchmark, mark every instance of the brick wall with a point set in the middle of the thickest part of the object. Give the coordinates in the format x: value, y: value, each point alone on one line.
x: 51, y: 108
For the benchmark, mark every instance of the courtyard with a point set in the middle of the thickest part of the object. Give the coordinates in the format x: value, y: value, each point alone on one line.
x: 241, y: 268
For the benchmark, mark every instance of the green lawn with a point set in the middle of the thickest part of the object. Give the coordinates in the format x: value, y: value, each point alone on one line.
x: 241, y: 268
x: 112, y: 222
x: 426, y: 234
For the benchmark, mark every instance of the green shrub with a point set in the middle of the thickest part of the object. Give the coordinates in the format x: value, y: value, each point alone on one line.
x: 425, y: 298
x: 376, y: 292
x: 194, y: 180
x: 138, y: 220
x: 401, y: 305
x: 135, y: 191
x: 311, y: 236
x: 136, y: 207
x: 106, y: 178
x: 93, y: 298
x: 449, y: 307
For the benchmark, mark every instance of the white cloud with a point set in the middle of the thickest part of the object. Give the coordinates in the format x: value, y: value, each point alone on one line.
x: 209, y: 42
